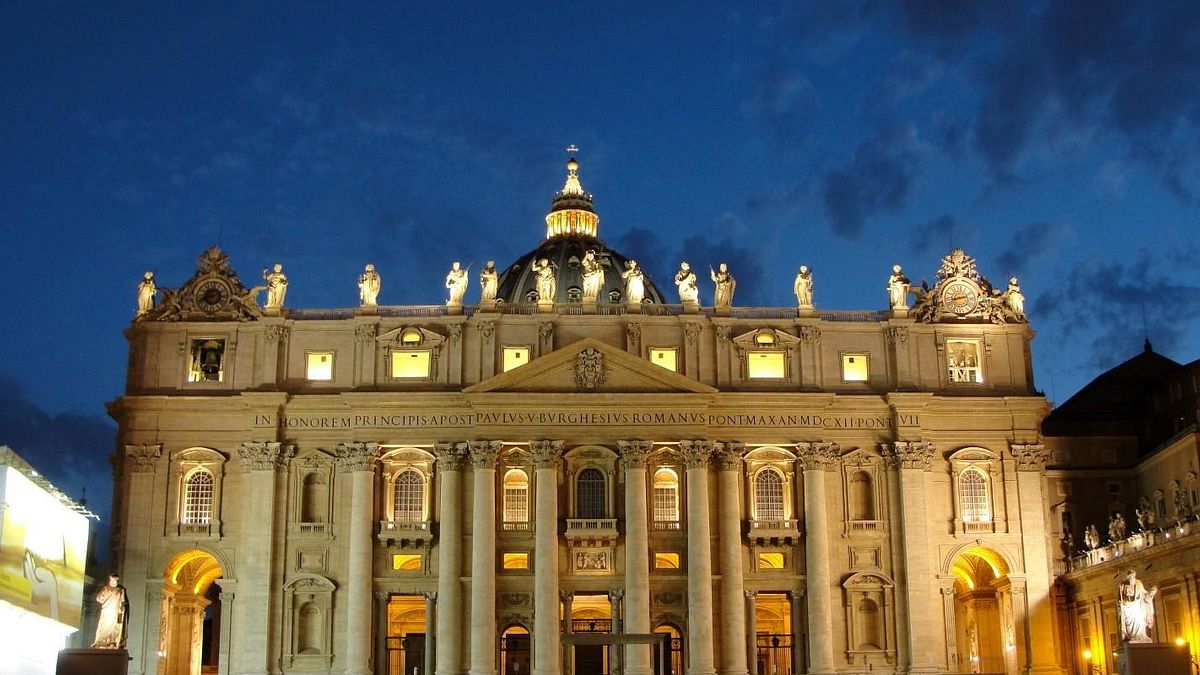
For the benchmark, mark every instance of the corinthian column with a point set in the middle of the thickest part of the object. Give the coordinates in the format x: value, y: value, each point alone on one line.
x: 637, y: 554
x: 483, y: 558
x: 448, y: 640
x: 911, y: 461
x: 699, y: 555
x: 817, y: 459
x: 136, y: 478
x: 357, y: 460
x: 728, y: 459
x: 1031, y: 463
x: 547, y: 456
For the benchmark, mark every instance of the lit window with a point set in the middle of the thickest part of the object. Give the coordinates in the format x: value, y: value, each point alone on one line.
x: 410, y: 364
x: 516, y: 561
x: 854, y: 367
x: 962, y: 360
x: 406, y: 561
x: 666, y: 496
x: 665, y: 357
x: 768, y: 495
x: 515, y: 357
x: 198, y: 498
x: 765, y: 365
x: 770, y: 561
x: 589, y: 494
x: 409, y: 497
x: 764, y: 338
x: 516, y: 497
x: 666, y: 561
x: 319, y: 365
x: 973, y: 496
x: 207, y: 361
x: 411, y: 336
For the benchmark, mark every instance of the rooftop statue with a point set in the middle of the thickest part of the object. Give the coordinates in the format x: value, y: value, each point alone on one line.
x: 723, y: 295
x: 593, y: 276
x: 487, y: 282
x: 368, y: 287
x: 114, y: 611
x: 635, y: 283
x: 1136, y: 608
x: 685, y: 279
x: 145, y: 294
x: 897, y: 288
x: 276, y: 286
x: 1014, y: 298
x: 803, y: 287
x: 547, y: 287
x: 456, y: 281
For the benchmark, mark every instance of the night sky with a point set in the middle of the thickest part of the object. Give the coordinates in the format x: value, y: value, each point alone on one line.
x: 1057, y: 141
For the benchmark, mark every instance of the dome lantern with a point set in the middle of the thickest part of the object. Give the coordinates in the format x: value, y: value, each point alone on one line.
x: 571, y: 210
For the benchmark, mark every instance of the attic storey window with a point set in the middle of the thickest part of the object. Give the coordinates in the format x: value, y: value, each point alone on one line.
x: 207, y: 361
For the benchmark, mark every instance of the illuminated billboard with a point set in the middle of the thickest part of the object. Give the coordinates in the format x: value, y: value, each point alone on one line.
x: 43, y: 545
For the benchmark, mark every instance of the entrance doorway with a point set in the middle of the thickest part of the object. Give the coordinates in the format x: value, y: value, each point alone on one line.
x: 514, y: 651
x: 190, y: 637
x: 672, y: 647
x: 773, y: 634
x: 591, y: 614
x: 406, y: 642
x: 983, y: 616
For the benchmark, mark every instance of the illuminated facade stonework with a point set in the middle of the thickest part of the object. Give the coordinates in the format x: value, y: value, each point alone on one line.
x: 768, y: 490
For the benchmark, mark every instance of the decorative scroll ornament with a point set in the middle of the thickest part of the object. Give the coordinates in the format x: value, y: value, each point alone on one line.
x: 449, y: 456
x: 1030, y: 457
x: 484, y: 453
x: 356, y: 456
x: 961, y: 293
x: 142, y: 458
x: 589, y: 368
x: 817, y: 456
x: 546, y: 331
x: 214, y: 293
x: 264, y: 456
x: 908, y: 455
x: 897, y: 335
x: 695, y: 453
x: 546, y: 454
x: 276, y: 332
x: 486, y: 329
x: 633, y: 331
x: 723, y: 333
x: 365, y: 333
x: 728, y: 456
x: 692, y: 330
x: 634, y: 454
x: 809, y: 334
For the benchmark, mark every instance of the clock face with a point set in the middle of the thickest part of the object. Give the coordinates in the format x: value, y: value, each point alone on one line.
x: 212, y: 296
x: 960, y: 298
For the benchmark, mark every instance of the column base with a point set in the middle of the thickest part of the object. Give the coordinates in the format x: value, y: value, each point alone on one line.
x: 734, y: 672
x: 697, y: 671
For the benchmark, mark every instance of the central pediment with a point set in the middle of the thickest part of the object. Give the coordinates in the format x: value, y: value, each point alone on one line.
x: 590, y: 366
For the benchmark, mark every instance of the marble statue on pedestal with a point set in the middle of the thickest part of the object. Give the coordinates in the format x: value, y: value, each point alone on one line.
x: 803, y: 287
x: 685, y: 280
x: 368, y: 287
x: 456, y: 282
x: 547, y: 286
x: 488, y: 282
x: 114, y: 611
x: 897, y: 288
x: 1135, y: 608
x: 1014, y: 298
x: 593, y: 276
x: 1116, y: 527
x: 725, y: 283
x: 276, y: 286
x: 145, y: 293
x: 1091, y: 537
x: 635, y: 283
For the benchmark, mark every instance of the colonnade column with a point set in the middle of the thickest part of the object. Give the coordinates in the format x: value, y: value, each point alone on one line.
x: 637, y: 554
x: 483, y: 558
x: 547, y: 456
x: 430, y: 627
x: 1031, y: 463
x: 699, y: 556
x: 137, y: 473
x: 911, y: 460
x: 752, y: 633
x: 728, y: 459
x: 357, y: 460
x: 260, y: 464
x: 817, y: 459
x: 447, y: 641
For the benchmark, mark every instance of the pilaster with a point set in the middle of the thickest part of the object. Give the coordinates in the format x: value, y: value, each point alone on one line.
x: 816, y: 460
x: 727, y: 457
x: 448, y: 636
x: 357, y: 462
x: 547, y: 457
x: 911, y: 461
x: 1031, y: 466
x: 140, y: 465
x: 696, y: 455
x: 637, y: 553
x: 483, y: 557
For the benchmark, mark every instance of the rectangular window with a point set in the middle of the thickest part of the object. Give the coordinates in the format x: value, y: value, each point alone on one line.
x: 770, y: 561
x: 666, y: 561
x: 515, y: 561
x: 516, y: 504
x: 406, y: 561
x: 410, y: 364
x: 318, y: 366
x: 1114, y: 487
x: 515, y: 357
x: 207, y: 362
x: 854, y: 367
x: 765, y: 365
x: 665, y: 357
x: 962, y: 360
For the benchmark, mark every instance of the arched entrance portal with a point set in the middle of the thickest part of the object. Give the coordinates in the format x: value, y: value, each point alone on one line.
x: 983, y: 612
x: 190, y: 641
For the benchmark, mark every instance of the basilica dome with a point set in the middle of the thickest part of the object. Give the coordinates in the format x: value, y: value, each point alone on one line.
x: 571, y: 231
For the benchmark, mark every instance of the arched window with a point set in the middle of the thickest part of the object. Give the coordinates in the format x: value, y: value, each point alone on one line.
x: 516, y: 496
x: 409, y: 490
x: 973, y: 497
x: 862, y: 496
x: 312, y: 507
x: 768, y: 495
x: 869, y: 633
x: 198, y: 498
x: 666, y: 496
x: 589, y: 494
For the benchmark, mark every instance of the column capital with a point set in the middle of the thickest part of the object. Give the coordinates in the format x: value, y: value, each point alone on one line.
x: 695, y: 453
x: 485, y: 453
x: 356, y: 456
x: 430, y: 595
x: 546, y: 454
x: 142, y: 458
x: 449, y: 456
x: 634, y: 453
x: 908, y: 454
x: 750, y: 595
x: 616, y: 594
x: 264, y: 456
x: 1030, y: 457
x: 818, y: 456
x: 728, y: 456
x: 383, y: 596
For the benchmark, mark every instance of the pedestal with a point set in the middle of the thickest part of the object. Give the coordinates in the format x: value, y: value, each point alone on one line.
x: 806, y: 312
x: 898, y: 313
x: 1154, y: 658
x: 368, y: 310
x: 589, y: 306
x: 691, y: 307
x: 454, y: 309
x: 92, y: 662
x: 545, y: 307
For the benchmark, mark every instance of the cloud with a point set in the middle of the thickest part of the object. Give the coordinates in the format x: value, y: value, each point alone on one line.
x: 744, y: 263
x: 937, y: 232
x: 1028, y: 242
x: 878, y: 180
x: 786, y: 103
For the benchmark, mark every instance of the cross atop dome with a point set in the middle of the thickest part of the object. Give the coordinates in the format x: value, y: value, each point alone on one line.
x: 571, y: 211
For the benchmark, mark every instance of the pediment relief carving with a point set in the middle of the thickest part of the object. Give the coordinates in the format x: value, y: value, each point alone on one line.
x: 592, y: 453
x: 416, y: 337
x: 961, y: 293
x: 973, y: 454
x: 860, y: 457
x: 310, y: 583
x: 765, y: 338
x: 867, y: 580
x: 199, y: 455
x: 214, y: 293
x: 770, y: 454
x: 407, y: 455
x: 314, y: 459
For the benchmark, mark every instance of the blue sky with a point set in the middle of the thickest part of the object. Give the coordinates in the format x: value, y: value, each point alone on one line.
x: 1055, y: 141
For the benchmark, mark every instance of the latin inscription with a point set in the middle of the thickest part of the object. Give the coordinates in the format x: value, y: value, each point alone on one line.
x: 577, y: 418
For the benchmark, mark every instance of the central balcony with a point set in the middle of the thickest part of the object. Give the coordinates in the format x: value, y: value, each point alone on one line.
x: 592, y: 531
x: 415, y: 533
x: 774, y: 532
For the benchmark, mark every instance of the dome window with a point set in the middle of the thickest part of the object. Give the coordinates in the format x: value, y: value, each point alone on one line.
x: 614, y: 295
x: 531, y: 296
x: 764, y: 338
x: 410, y: 336
x: 574, y: 294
